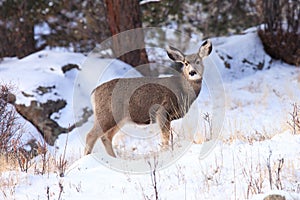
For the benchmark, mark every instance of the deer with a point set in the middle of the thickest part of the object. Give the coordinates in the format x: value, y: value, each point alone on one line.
x: 147, y: 100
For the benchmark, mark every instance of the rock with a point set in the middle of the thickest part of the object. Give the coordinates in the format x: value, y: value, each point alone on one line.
x: 69, y: 67
x: 6, y: 95
x: 39, y: 115
x: 11, y: 98
x: 41, y: 90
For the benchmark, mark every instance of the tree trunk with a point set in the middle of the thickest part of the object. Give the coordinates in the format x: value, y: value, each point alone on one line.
x: 123, y: 15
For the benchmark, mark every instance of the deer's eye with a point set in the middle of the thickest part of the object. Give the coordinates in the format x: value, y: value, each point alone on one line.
x: 192, y: 73
x: 198, y: 62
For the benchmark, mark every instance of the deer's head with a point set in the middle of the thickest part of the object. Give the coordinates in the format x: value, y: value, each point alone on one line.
x: 192, y: 64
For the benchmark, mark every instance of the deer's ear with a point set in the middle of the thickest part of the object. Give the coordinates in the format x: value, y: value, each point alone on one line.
x: 175, y: 54
x: 205, y: 49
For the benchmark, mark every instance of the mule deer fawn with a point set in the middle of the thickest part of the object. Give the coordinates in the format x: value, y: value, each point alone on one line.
x: 146, y: 100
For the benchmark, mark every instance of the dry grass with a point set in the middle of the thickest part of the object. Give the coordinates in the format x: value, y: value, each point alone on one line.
x: 8, y: 181
x: 255, y: 173
x: 8, y: 186
x: 8, y: 163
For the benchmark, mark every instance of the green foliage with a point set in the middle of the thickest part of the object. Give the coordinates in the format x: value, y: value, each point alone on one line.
x: 211, y: 18
x: 72, y: 23
x: 77, y: 24
x: 159, y: 13
x: 80, y: 25
x: 227, y: 17
x: 30, y: 10
x: 17, y: 20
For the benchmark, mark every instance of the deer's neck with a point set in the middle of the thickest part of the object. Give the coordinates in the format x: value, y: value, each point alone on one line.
x: 197, y: 86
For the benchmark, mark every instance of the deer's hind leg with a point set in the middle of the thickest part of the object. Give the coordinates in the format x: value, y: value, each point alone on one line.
x: 107, y: 140
x: 91, y: 138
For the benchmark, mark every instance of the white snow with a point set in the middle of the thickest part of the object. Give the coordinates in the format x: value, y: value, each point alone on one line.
x: 256, y: 104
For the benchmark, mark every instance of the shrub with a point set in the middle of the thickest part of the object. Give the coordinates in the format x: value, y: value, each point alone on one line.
x: 12, y: 152
x: 10, y: 131
x: 280, y: 33
x: 10, y: 128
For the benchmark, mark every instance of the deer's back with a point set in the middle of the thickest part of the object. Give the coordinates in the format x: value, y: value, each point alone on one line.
x: 133, y: 98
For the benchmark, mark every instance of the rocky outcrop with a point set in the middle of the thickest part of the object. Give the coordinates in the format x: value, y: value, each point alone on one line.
x: 69, y: 67
x: 39, y: 115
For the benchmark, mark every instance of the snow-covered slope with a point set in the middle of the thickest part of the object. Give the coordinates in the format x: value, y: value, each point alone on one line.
x: 255, y: 133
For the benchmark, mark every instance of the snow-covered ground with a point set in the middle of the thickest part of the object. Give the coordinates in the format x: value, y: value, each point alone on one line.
x: 254, y: 135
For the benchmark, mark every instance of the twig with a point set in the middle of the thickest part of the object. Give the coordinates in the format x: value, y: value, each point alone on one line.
x: 269, y: 168
x: 61, y: 189
x: 278, y: 179
x: 295, y: 121
x: 48, y: 192
x: 153, y: 176
x: 208, y: 120
x: 62, y: 163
